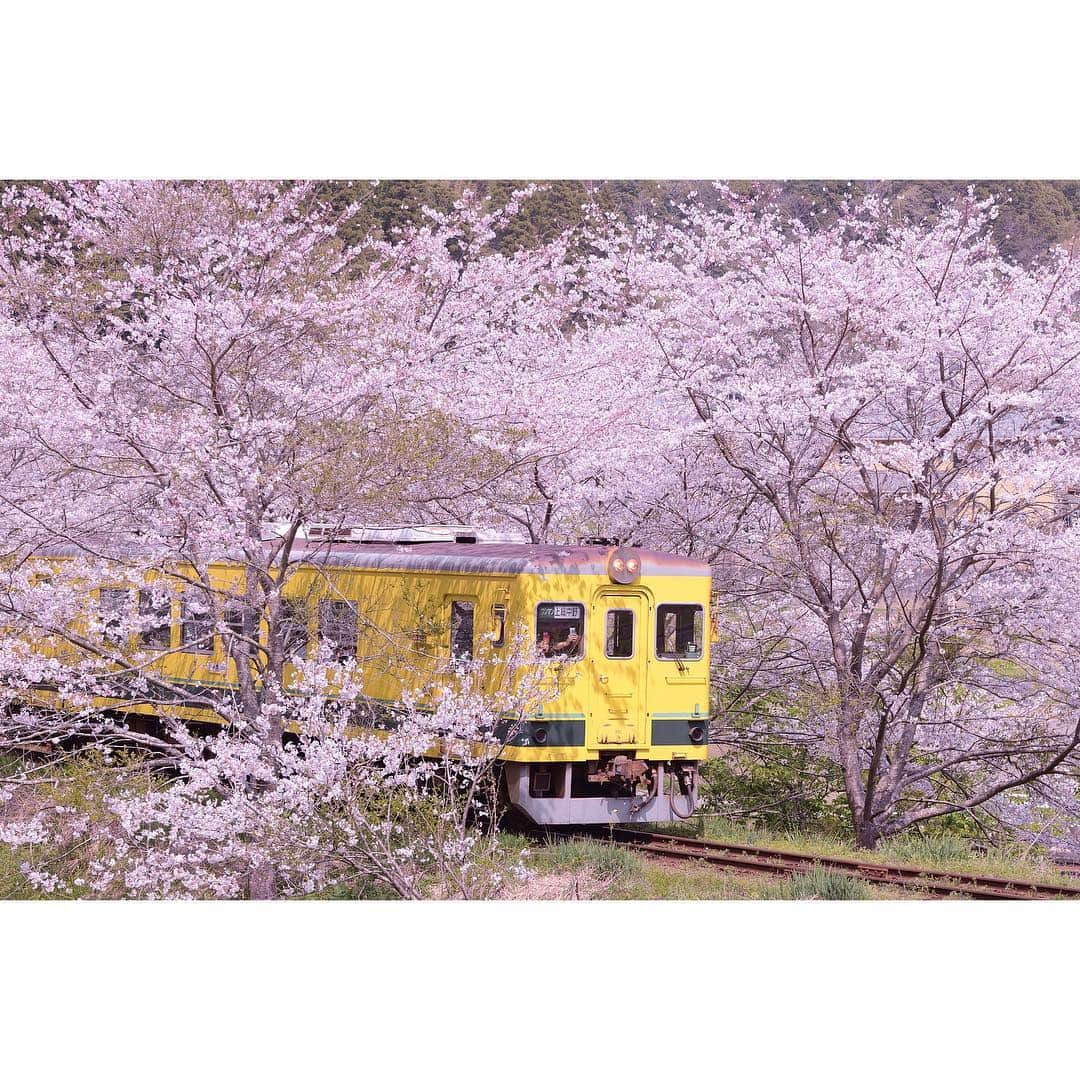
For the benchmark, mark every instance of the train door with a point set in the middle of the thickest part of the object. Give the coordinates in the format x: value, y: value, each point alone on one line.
x: 618, y: 667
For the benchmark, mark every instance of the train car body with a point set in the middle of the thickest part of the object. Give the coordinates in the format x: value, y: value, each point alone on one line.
x: 622, y: 632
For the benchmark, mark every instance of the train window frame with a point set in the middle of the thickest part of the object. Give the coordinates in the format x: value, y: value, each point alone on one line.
x: 667, y: 658
x: 633, y: 633
x: 111, y: 617
x: 498, y: 620
x: 159, y: 636
x: 296, y: 621
x: 584, y: 630
x: 240, y: 622
x: 338, y: 650
x: 204, y: 618
x: 469, y: 603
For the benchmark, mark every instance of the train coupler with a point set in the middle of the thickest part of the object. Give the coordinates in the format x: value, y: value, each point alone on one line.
x: 622, y: 771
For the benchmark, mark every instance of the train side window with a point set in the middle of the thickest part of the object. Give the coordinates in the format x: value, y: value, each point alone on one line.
x: 560, y: 631
x: 498, y: 625
x: 155, y: 609
x: 619, y: 634
x: 461, y: 629
x: 294, y: 630
x: 240, y: 623
x: 114, y: 606
x: 196, y: 625
x: 680, y: 631
x: 338, y: 628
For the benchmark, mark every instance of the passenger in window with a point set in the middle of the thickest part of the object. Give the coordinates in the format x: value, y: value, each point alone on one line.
x: 559, y: 628
x: 569, y: 644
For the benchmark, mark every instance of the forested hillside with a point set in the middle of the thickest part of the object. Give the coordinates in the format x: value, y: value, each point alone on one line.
x: 1035, y: 214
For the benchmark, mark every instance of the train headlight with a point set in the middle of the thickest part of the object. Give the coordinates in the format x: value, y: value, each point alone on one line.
x: 623, y: 567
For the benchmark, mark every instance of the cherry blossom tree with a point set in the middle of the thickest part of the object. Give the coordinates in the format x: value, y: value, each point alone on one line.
x: 195, y: 371
x: 407, y: 807
x: 872, y: 429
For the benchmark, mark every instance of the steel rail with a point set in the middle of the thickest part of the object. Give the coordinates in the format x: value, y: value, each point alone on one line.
x: 762, y: 860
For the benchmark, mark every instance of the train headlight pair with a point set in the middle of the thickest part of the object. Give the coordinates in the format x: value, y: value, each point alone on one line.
x: 624, y: 567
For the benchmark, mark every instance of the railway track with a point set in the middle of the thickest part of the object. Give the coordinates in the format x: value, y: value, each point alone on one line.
x: 746, y: 858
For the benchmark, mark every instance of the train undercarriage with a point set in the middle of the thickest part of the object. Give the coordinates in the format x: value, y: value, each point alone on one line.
x: 617, y: 789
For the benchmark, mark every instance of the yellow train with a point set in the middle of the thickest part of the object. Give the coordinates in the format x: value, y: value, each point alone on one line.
x: 625, y: 631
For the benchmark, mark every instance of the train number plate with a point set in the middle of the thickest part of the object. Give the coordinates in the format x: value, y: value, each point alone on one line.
x: 559, y: 611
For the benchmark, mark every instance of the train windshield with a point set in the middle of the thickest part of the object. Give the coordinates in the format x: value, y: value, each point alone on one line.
x: 560, y: 630
x: 680, y: 631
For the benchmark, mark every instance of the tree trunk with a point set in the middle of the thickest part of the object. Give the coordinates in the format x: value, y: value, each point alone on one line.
x: 847, y: 738
x: 867, y: 835
x: 263, y: 882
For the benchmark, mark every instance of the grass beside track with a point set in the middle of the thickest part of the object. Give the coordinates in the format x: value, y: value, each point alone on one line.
x: 596, y: 870
x: 947, y: 853
x: 593, y: 869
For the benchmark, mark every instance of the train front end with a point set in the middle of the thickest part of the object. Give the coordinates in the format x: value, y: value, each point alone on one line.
x: 624, y: 732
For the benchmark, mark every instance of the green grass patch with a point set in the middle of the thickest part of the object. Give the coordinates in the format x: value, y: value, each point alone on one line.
x: 821, y: 884
x: 363, y: 890
x: 940, y: 852
x: 607, y: 861
x: 625, y: 875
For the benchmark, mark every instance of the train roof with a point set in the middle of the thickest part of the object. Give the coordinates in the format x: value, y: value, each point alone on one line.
x: 455, y: 557
x: 491, y: 558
